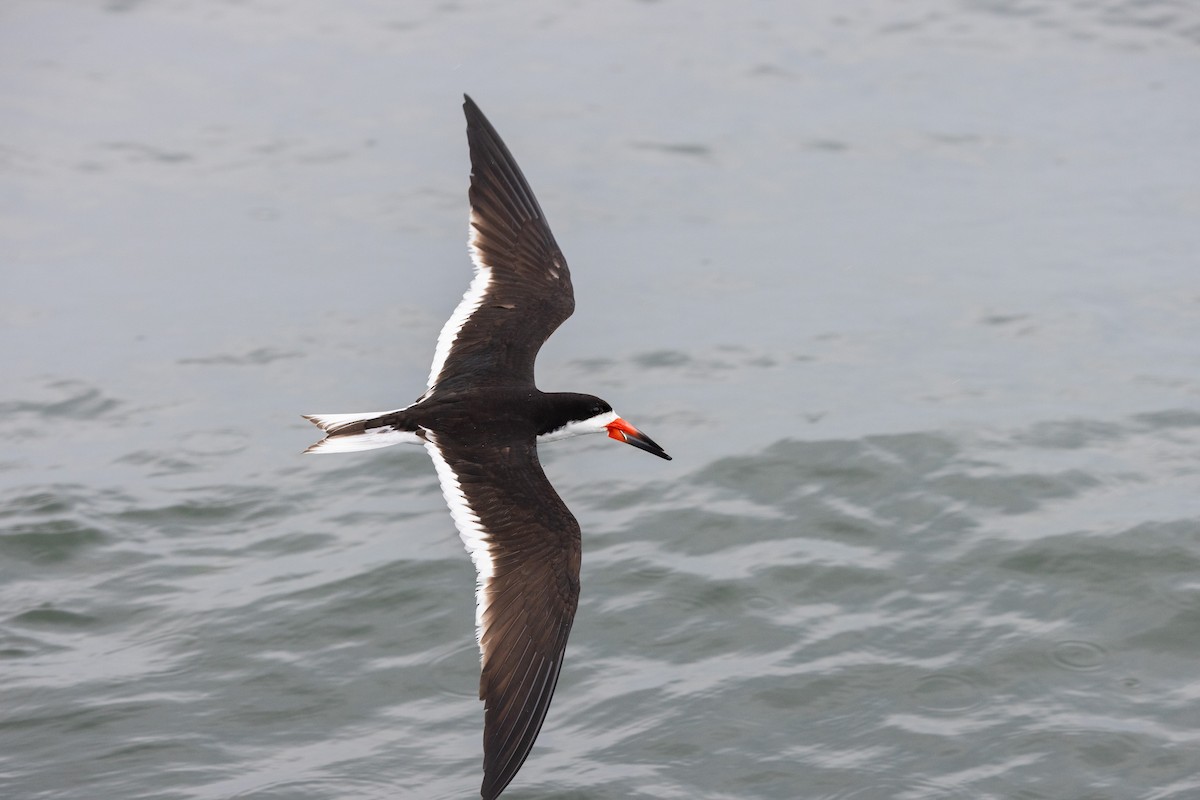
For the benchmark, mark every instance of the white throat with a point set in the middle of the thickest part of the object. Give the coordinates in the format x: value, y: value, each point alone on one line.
x: 596, y: 424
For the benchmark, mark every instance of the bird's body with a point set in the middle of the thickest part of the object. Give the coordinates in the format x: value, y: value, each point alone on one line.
x: 481, y: 420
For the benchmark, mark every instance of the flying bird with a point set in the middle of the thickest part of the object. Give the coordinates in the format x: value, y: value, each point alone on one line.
x: 481, y: 420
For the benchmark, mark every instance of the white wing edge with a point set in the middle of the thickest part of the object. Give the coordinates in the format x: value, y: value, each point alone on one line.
x: 471, y: 300
x: 470, y: 530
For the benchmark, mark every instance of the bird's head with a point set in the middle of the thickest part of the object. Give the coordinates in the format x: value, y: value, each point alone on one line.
x: 579, y: 414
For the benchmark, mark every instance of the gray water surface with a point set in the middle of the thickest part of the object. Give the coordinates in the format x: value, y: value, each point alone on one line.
x: 909, y: 291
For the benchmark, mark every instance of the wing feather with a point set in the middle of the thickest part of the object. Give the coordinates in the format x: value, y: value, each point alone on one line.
x: 526, y: 547
x: 522, y: 288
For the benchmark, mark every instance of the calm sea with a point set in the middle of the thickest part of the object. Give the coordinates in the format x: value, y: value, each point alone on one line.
x: 910, y: 291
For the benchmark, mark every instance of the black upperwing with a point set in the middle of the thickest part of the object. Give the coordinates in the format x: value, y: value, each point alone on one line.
x: 526, y: 547
x: 522, y: 288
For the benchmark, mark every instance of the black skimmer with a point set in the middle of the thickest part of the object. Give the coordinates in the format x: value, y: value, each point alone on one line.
x: 481, y: 420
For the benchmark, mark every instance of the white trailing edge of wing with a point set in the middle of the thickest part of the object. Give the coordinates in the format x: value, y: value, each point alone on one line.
x: 471, y: 300
x: 474, y: 536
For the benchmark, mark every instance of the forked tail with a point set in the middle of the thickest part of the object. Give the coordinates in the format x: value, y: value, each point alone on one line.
x: 349, y: 433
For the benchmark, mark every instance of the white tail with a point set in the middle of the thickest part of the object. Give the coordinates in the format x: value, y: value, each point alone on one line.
x: 356, y: 440
x: 331, y: 422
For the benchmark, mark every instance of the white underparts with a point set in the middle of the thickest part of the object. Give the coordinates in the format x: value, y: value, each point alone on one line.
x: 470, y: 530
x: 469, y: 304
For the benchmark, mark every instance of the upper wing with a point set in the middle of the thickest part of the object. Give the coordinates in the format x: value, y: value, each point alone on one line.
x: 525, y: 545
x: 522, y: 288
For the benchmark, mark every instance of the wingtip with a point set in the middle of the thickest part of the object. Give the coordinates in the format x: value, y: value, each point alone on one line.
x: 470, y: 107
